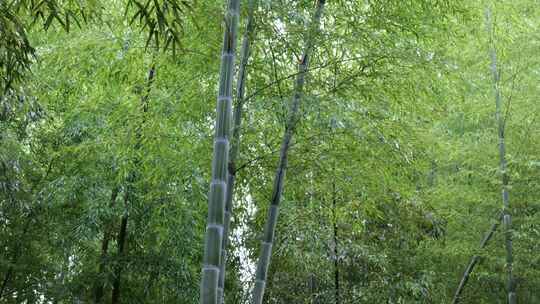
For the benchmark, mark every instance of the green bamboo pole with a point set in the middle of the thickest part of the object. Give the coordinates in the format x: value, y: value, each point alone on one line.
x: 268, y: 237
x: 235, y: 143
x: 474, y: 261
x: 507, y: 217
x: 216, y: 196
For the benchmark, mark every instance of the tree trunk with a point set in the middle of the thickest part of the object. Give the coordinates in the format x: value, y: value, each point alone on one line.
x: 107, y: 234
x: 507, y: 217
x: 268, y: 237
x: 336, y: 249
x: 209, y: 293
x: 129, y: 196
x: 313, y: 288
x: 235, y: 144
x: 118, y: 269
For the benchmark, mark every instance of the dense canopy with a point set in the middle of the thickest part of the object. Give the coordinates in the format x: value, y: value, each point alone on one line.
x: 147, y: 148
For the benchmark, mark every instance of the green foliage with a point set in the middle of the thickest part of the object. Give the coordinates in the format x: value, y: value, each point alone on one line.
x: 16, y: 53
x: 162, y: 19
x: 397, y: 128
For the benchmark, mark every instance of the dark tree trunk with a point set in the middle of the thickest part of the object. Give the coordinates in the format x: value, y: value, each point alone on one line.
x: 107, y: 234
x: 118, y: 271
x: 129, y: 195
x: 336, y: 249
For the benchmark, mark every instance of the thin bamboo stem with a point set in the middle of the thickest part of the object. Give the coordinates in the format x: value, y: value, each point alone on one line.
x: 507, y: 216
x: 474, y: 261
x: 279, y: 179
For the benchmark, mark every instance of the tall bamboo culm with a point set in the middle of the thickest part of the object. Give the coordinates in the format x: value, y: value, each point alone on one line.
x: 218, y: 185
x: 476, y: 259
x: 235, y: 143
x: 279, y: 179
x: 507, y: 217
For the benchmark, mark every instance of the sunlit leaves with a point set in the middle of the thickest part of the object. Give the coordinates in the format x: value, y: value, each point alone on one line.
x: 16, y: 53
x: 402, y: 124
x: 161, y: 19
x: 62, y: 12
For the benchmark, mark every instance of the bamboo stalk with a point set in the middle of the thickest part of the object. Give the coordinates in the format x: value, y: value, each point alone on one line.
x: 336, y: 249
x: 107, y: 234
x: 235, y: 143
x: 507, y: 217
x: 209, y: 293
x: 474, y: 261
x: 279, y: 179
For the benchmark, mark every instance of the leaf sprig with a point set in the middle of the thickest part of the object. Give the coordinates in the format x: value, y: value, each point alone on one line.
x: 162, y: 19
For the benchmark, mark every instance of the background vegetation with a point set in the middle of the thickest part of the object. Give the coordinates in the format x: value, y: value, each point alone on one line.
x: 107, y: 119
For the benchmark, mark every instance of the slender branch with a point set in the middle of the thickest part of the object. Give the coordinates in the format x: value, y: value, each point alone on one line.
x: 308, y: 70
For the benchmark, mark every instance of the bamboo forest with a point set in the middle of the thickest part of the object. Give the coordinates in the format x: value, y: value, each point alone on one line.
x: 270, y: 151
